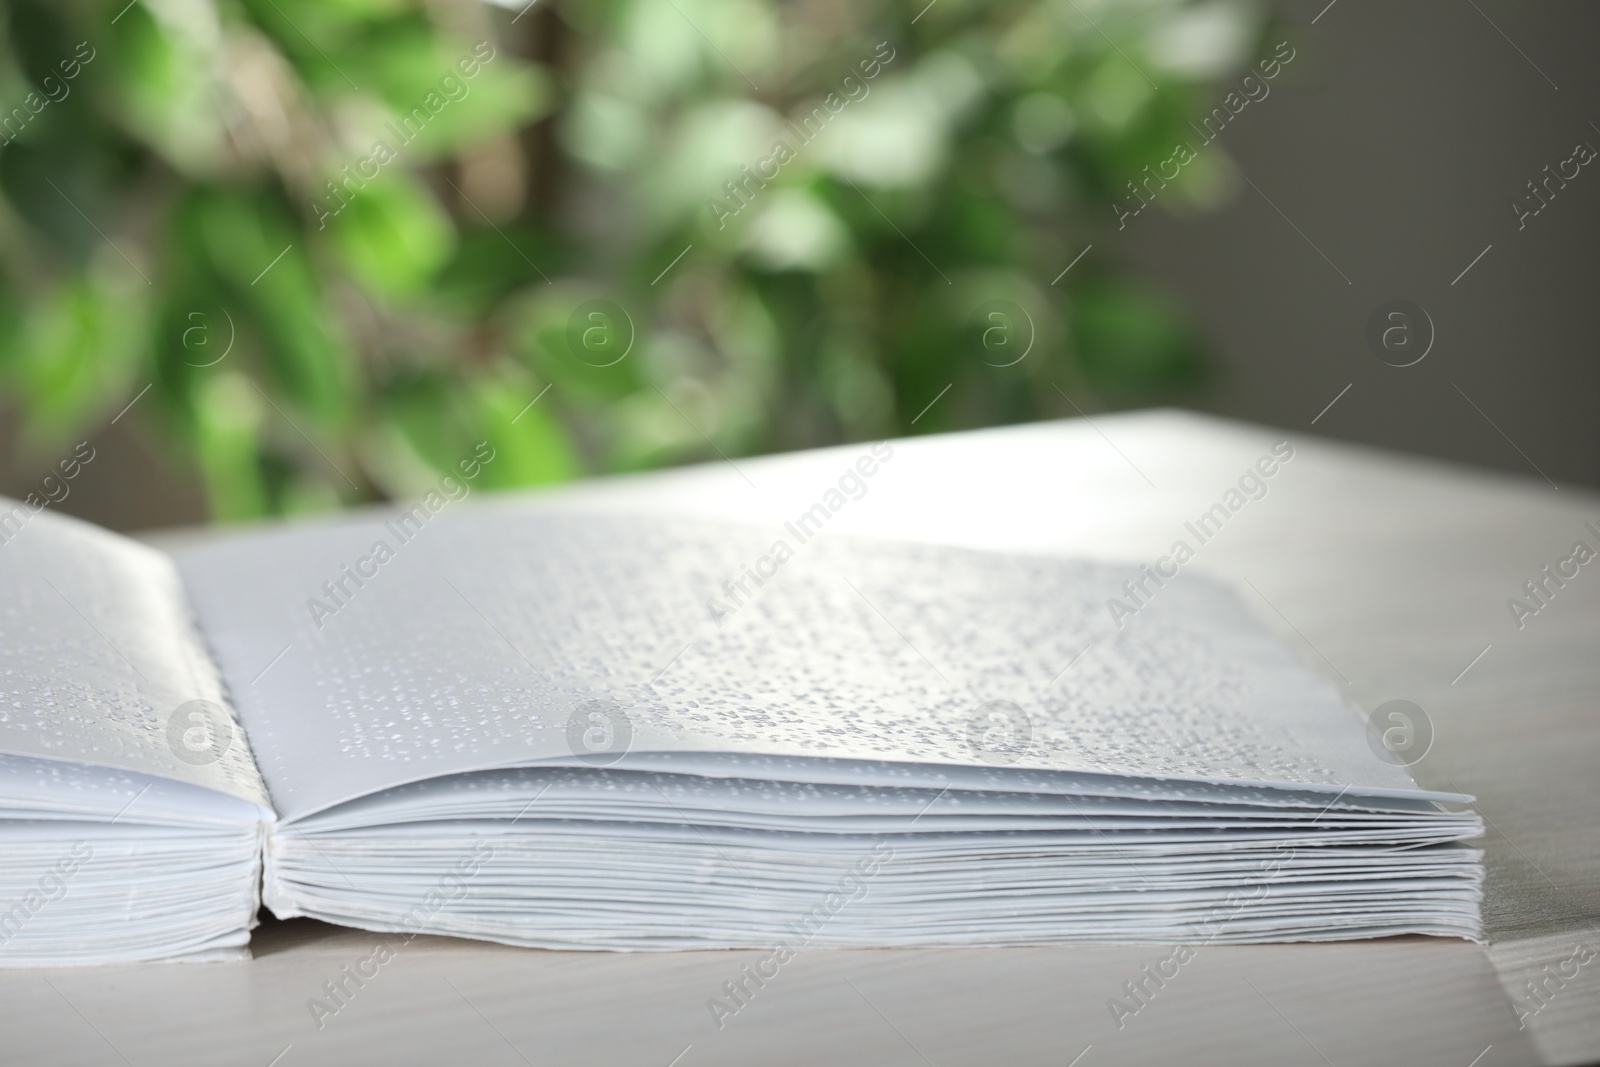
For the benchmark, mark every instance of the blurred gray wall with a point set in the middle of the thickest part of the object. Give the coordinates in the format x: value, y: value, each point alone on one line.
x: 1396, y: 141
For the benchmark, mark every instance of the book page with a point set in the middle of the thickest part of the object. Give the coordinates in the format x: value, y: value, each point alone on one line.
x: 100, y: 661
x: 371, y: 652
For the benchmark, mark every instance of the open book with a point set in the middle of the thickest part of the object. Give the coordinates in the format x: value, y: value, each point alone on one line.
x: 553, y: 729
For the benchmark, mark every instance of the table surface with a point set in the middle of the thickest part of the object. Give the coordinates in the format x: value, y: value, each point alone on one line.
x: 1391, y: 574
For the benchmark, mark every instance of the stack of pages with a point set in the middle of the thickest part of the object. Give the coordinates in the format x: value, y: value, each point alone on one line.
x: 553, y: 729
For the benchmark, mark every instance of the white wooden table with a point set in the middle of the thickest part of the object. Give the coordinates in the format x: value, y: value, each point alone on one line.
x: 1392, y: 574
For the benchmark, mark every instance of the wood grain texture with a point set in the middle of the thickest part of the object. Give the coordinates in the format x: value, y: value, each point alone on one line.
x: 1390, y: 573
x: 447, y: 1002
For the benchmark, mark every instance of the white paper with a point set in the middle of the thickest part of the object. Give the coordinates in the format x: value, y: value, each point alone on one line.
x: 473, y: 642
x: 98, y: 653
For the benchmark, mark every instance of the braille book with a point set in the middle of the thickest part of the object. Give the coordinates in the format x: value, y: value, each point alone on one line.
x: 527, y: 724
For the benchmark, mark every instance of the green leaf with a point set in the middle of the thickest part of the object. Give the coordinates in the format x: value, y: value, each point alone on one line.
x: 254, y: 246
x: 530, y: 446
x: 585, y: 341
x: 1128, y: 338
x: 392, y: 235
x: 444, y: 422
x: 80, y: 345
x: 227, y: 445
x: 440, y: 95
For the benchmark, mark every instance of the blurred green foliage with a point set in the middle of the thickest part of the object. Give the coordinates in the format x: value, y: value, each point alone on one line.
x: 342, y: 240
